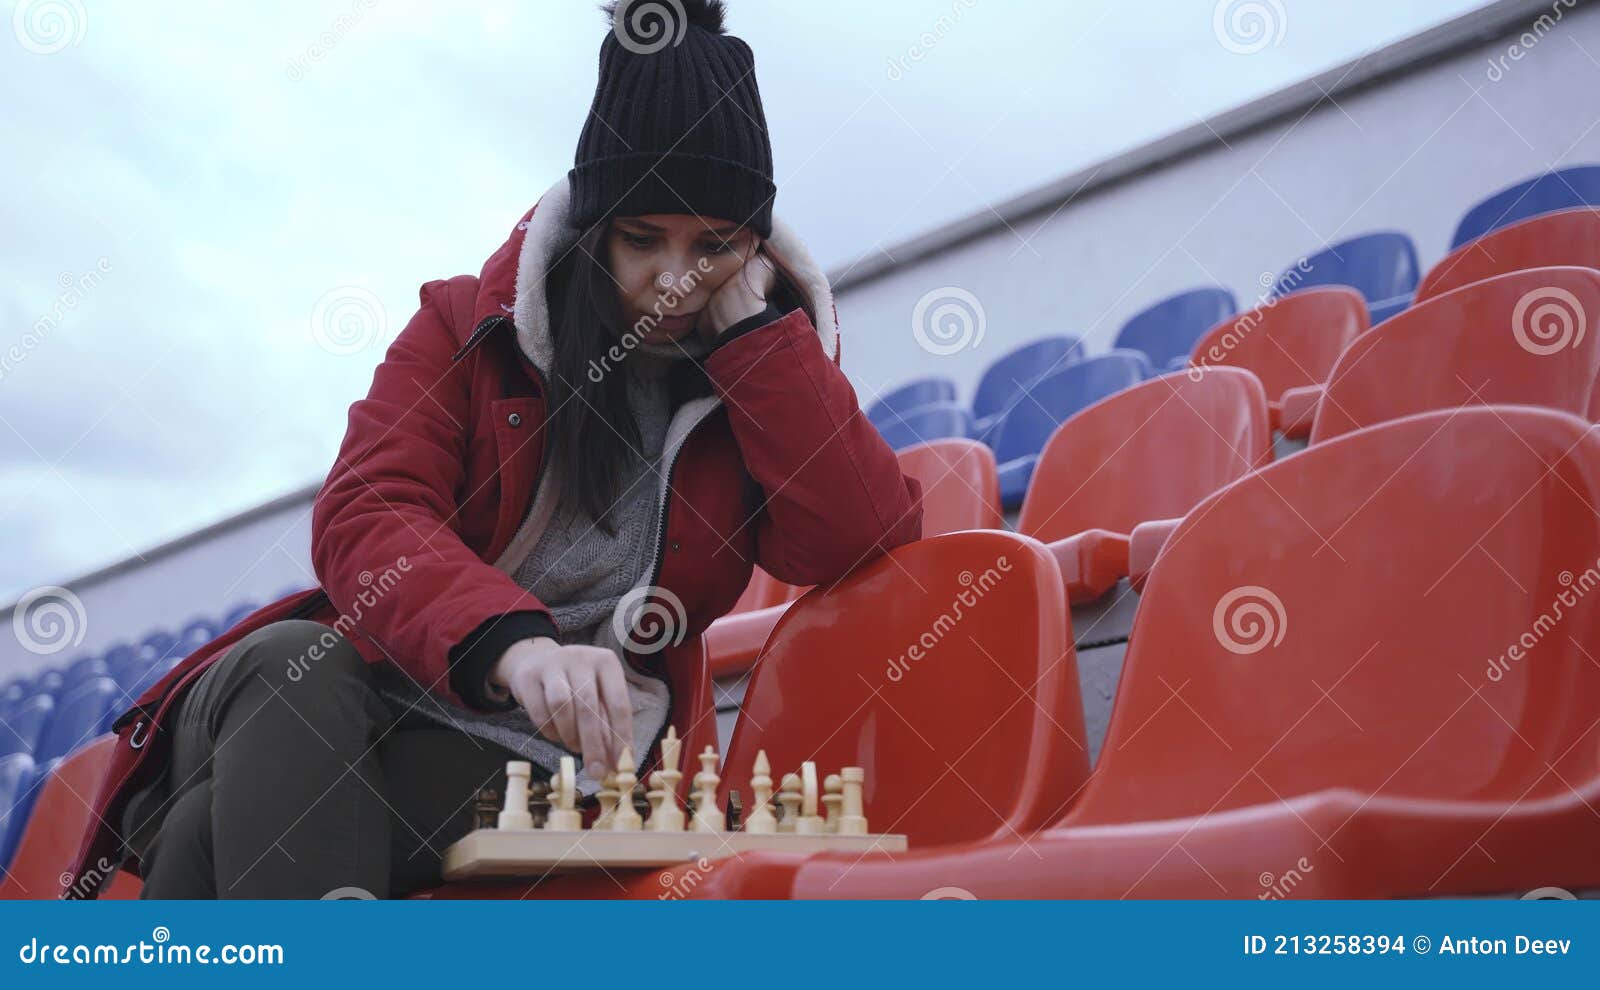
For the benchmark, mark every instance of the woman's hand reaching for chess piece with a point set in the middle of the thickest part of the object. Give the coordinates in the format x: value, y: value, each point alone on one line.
x: 575, y: 696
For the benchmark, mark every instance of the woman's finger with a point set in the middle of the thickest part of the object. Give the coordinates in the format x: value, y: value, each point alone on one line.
x: 618, y: 705
x: 558, y: 697
x: 593, y: 729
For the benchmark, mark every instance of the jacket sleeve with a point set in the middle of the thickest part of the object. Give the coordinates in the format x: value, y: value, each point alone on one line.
x: 385, y: 539
x: 835, y: 495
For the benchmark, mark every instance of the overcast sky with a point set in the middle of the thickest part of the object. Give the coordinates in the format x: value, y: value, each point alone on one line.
x: 192, y: 190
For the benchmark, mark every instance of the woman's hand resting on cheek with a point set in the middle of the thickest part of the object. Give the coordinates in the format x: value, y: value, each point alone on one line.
x: 743, y: 295
x: 575, y: 695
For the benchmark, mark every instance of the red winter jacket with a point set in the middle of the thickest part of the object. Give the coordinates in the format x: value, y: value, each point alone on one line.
x: 440, y: 462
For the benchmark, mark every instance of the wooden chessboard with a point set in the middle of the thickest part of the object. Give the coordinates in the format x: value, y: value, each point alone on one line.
x: 492, y: 852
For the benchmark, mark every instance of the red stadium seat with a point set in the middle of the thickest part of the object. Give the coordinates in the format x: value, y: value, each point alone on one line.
x: 1387, y: 689
x: 945, y: 669
x: 1518, y: 338
x: 1287, y: 342
x: 1571, y: 237
x: 960, y: 490
x: 59, y: 818
x: 1150, y: 452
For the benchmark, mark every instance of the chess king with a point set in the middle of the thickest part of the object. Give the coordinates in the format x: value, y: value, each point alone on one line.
x: 563, y: 471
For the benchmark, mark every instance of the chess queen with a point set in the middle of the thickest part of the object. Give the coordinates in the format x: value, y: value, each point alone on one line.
x: 563, y: 471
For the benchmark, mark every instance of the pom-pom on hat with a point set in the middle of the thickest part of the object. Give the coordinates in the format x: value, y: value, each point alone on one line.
x: 676, y: 125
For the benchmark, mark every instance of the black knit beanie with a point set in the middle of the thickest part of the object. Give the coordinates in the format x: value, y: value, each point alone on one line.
x: 676, y: 125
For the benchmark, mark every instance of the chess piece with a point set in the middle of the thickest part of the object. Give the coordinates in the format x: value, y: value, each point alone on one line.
x: 486, y: 810
x: 564, y: 815
x: 789, y: 799
x: 809, y: 822
x: 626, y: 817
x: 608, y: 796
x: 831, y: 799
x: 707, y: 816
x: 668, y: 816
x: 515, y: 813
x: 852, y: 821
x: 761, y: 820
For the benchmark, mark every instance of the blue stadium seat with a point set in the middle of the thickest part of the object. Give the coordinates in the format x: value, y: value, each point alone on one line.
x: 83, y: 670
x: 78, y: 718
x: 921, y: 392
x: 237, y: 614
x: 1380, y: 266
x: 15, y: 690
x: 1547, y: 193
x: 149, y: 676
x: 1381, y: 310
x: 1054, y: 400
x: 120, y: 657
x: 196, y: 634
x: 1004, y: 382
x: 17, y: 792
x: 286, y: 592
x: 49, y: 683
x: 935, y: 421
x: 1168, y: 330
x: 25, y: 724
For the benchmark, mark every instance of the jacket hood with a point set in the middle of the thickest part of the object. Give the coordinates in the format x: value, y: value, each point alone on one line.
x: 512, y: 282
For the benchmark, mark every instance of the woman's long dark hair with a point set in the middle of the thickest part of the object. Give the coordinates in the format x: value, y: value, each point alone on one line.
x: 592, y: 427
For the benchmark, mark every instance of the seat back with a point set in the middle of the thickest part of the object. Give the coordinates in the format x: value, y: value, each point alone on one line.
x: 1057, y: 397
x: 61, y: 811
x: 935, y: 421
x: 1150, y: 452
x: 1517, y: 339
x: 1379, y: 266
x: 1169, y: 329
x: 16, y: 800
x: 945, y: 669
x: 1287, y: 342
x: 1571, y: 237
x: 1407, y: 619
x: 78, y: 717
x: 1559, y: 190
x: 960, y: 486
x: 909, y: 396
x: 1010, y: 375
x: 25, y: 724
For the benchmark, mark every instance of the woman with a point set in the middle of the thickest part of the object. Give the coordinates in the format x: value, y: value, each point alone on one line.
x: 565, y: 467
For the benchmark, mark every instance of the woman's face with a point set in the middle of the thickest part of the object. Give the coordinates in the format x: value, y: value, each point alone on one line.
x: 667, y: 265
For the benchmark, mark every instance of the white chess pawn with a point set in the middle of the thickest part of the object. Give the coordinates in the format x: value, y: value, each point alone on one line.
x: 708, y: 817
x: 831, y: 799
x: 761, y: 820
x: 852, y: 821
x: 626, y: 817
x: 515, y: 813
x: 564, y: 815
x: 809, y: 822
x: 789, y: 799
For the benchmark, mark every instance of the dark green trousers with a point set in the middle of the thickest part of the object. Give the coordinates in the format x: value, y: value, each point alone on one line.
x: 290, y: 776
